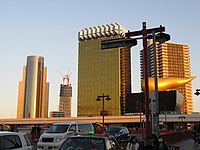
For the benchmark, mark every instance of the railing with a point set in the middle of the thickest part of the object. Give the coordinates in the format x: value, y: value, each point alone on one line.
x: 173, y: 147
x: 177, y: 136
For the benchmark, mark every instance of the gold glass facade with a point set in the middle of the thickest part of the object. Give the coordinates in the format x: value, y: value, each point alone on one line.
x: 173, y: 60
x: 102, y: 71
x: 106, y: 71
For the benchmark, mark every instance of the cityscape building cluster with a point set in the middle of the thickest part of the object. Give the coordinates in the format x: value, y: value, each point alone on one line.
x: 106, y: 71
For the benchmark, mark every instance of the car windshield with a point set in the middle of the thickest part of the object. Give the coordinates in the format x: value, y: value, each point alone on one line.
x: 113, y: 130
x: 83, y: 143
x: 58, y: 129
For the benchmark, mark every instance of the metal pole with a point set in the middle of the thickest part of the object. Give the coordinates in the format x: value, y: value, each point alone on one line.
x: 103, y: 113
x: 156, y: 113
x: 165, y: 119
x: 145, y: 56
x: 140, y: 117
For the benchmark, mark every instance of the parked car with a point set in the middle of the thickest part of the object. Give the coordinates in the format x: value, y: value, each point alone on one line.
x: 121, y: 133
x: 14, y: 140
x: 90, y: 142
x: 58, y: 132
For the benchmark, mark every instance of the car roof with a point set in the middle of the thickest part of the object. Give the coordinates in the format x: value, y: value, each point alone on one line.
x: 117, y: 127
x: 69, y: 123
x: 11, y: 133
x: 89, y: 136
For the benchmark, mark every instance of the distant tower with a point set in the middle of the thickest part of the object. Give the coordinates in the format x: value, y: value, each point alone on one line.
x: 65, y: 104
x: 33, y: 92
x: 173, y: 60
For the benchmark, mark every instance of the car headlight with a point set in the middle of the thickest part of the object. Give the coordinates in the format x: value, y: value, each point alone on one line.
x: 40, y: 139
x: 58, y: 139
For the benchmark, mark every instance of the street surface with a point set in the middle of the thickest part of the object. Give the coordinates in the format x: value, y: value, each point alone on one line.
x: 183, y: 145
x: 187, y: 145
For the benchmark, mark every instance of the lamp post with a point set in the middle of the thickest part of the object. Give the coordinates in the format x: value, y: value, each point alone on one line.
x: 161, y: 38
x: 165, y: 119
x: 144, y: 32
x: 103, y: 98
x: 197, y: 92
x: 129, y: 42
x: 182, y: 117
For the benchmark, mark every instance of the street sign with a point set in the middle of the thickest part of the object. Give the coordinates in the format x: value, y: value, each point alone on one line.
x: 120, y: 42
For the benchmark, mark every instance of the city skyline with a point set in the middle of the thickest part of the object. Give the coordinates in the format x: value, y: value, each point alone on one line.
x: 50, y: 29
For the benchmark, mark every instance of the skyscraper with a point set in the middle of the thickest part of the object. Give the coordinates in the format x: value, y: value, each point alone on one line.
x: 102, y: 71
x: 33, y: 93
x: 173, y: 60
x: 65, y: 104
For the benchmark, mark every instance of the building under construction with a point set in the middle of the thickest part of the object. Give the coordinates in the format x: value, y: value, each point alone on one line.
x: 65, y: 104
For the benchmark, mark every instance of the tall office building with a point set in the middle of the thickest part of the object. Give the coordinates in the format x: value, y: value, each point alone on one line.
x: 65, y: 104
x: 173, y: 60
x: 101, y: 72
x: 33, y: 93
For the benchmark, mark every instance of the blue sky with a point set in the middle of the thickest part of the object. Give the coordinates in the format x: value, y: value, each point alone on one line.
x: 50, y: 28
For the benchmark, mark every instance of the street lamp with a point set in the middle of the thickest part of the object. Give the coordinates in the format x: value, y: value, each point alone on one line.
x: 99, y: 98
x: 129, y: 42
x: 161, y: 38
x: 197, y: 92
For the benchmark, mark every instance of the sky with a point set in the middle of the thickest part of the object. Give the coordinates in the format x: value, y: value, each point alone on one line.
x: 49, y: 28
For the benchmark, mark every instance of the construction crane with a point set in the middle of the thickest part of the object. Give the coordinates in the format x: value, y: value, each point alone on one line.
x: 66, y: 77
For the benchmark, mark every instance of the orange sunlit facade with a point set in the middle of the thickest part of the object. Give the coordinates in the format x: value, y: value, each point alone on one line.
x: 173, y: 61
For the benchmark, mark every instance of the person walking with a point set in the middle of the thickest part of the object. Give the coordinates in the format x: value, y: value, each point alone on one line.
x: 132, y: 144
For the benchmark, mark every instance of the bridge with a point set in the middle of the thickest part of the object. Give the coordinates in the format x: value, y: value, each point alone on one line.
x: 177, y: 118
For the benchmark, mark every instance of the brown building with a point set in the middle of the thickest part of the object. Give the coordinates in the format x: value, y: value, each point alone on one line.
x: 65, y: 104
x: 173, y: 60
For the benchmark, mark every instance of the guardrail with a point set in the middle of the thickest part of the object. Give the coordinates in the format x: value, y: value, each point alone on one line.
x: 173, y: 147
x: 177, y: 136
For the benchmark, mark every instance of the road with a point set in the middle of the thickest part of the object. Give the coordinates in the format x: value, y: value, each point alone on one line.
x: 187, y: 145
x: 183, y: 145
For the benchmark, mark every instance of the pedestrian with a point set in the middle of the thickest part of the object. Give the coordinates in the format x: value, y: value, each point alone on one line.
x: 132, y: 144
x: 152, y: 143
x: 162, y: 144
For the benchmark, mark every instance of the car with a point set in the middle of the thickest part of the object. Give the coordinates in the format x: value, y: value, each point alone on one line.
x: 121, y: 133
x: 58, y: 132
x: 90, y: 142
x: 14, y: 140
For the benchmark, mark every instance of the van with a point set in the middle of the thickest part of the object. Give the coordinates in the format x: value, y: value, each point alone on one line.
x: 58, y: 132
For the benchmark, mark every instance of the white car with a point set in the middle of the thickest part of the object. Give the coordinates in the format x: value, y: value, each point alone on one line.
x: 58, y: 132
x: 14, y: 140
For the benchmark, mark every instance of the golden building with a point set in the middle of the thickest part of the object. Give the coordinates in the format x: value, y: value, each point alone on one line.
x: 173, y: 60
x: 101, y: 72
x: 33, y: 93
